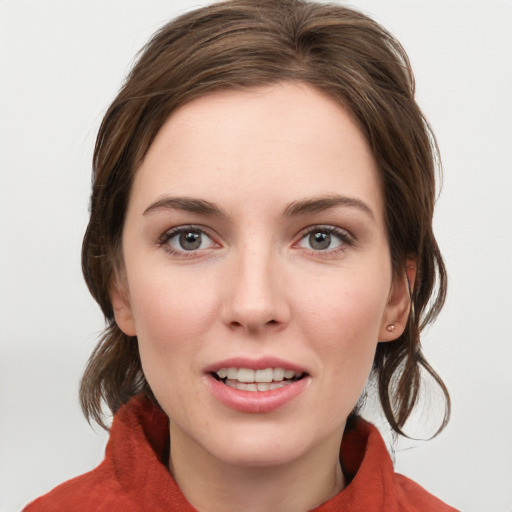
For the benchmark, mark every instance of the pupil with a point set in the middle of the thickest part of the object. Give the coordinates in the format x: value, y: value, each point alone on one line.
x: 190, y: 240
x: 320, y: 241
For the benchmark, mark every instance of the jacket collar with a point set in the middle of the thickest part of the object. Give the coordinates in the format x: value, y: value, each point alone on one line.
x: 138, y: 451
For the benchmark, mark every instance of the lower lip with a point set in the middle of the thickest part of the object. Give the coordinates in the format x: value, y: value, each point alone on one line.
x: 255, y: 402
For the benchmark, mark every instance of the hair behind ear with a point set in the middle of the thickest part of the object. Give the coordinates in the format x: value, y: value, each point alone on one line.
x: 398, y: 365
x: 113, y: 375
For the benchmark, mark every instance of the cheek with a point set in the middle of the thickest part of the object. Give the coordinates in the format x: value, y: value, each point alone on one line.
x: 171, y: 312
x: 171, y: 318
x: 347, y: 308
x: 343, y: 323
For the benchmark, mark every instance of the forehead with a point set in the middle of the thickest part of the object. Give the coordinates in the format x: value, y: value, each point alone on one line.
x: 278, y: 142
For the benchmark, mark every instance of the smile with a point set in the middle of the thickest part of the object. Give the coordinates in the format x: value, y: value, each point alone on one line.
x: 247, y: 379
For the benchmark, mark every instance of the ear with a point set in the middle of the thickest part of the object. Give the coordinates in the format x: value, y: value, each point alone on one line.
x: 398, y: 307
x: 119, y: 297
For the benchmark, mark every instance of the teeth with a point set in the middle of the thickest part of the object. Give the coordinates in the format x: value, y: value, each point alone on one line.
x: 245, y: 375
x: 260, y: 386
x: 278, y: 374
x: 266, y: 375
x: 248, y: 386
x: 263, y: 377
x: 232, y: 373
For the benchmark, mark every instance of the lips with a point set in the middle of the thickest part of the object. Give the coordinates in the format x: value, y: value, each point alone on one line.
x: 256, y: 386
x: 247, y: 379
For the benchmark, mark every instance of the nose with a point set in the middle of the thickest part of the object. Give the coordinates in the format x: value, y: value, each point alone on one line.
x: 255, y: 296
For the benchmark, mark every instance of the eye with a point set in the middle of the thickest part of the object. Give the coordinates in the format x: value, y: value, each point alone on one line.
x: 185, y: 239
x: 324, y: 238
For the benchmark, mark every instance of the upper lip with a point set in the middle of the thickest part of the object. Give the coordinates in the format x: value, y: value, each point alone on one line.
x: 254, y: 364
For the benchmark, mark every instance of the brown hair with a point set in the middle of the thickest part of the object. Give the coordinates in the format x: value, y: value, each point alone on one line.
x: 248, y: 43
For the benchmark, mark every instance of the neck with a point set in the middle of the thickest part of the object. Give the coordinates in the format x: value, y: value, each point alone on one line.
x: 211, y: 485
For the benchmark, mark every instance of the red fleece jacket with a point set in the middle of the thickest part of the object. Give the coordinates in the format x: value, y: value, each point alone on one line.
x: 134, y: 477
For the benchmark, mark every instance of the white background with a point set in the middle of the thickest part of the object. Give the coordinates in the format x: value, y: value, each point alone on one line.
x: 61, y: 63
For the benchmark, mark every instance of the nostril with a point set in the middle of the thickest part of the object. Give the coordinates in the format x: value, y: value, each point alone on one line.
x: 254, y: 326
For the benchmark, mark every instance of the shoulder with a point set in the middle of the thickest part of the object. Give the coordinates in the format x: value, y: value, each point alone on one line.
x: 413, y: 497
x: 373, y: 483
x: 96, y: 490
x: 131, y: 472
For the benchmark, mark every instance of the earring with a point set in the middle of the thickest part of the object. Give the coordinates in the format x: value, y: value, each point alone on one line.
x: 391, y: 327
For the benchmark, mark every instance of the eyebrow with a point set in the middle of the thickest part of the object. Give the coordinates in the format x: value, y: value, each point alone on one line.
x: 323, y: 203
x: 187, y: 204
x: 296, y: 208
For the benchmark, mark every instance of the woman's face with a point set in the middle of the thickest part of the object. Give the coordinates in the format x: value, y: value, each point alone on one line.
x: 255, y: 250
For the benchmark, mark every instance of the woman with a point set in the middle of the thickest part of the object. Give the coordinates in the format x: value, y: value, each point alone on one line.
x: 260, y: 242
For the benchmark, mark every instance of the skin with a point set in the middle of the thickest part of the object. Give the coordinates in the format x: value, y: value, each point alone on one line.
x: 258, y: 285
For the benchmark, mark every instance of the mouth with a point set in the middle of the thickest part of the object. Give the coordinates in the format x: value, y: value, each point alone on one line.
x: 247, y: 379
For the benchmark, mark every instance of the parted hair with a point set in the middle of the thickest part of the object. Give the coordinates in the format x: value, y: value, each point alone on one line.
x: 238, y: 44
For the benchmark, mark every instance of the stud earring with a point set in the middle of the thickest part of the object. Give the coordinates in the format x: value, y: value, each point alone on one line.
x: 391, y: 327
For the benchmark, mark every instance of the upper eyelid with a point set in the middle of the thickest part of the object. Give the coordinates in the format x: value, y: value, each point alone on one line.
x: 183, y: 227
x: 324, y: 227
x: 346, y: 238
x: 307, y: 229
x: 164, y: 241
x: 171, y: 232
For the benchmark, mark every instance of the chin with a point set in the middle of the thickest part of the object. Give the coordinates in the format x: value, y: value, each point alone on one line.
x: 247, y: 454
x: 259, y: 446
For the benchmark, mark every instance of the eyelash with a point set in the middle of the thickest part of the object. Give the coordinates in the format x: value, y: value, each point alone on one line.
x: 345, y: 239
x: 169, y: 235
